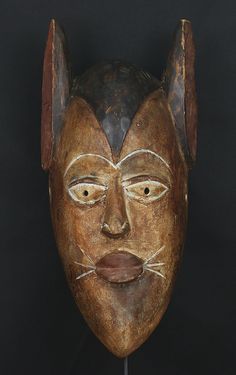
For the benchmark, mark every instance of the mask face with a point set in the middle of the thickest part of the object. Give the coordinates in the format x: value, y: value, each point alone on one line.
x: 119, y: 222
x: 119, y: 217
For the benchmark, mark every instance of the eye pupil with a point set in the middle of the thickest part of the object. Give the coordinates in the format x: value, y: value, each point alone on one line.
x: 146, y: 191
x: 85, y: 193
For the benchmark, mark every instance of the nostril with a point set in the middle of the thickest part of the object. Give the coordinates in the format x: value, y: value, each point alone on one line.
x: 115, y: 229
x: 105, y: 227
x: 125, y: 226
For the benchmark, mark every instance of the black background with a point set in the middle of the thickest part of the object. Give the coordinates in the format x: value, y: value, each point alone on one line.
x: 41, y: 332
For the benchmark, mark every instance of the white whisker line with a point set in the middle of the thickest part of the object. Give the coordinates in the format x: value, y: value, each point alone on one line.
x: 84, y: 274
x: 156, y: 253
x: 86, y: 255
x: 155, y: 264
x: 85, y: 265
x: 156, y: 272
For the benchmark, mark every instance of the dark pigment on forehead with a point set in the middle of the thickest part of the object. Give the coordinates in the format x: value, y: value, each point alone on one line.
x: 114, y: 90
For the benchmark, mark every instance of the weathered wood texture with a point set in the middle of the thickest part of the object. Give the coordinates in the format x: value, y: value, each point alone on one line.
x: 118, y: 156
x: 114, y: 103
x: 55, y: 91
x: 120, y: 245
x: 179, y: 84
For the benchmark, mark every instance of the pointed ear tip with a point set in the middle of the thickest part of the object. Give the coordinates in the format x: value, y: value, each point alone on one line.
x: 53, y: 25
x: 186, y: 25
x: 54, y: 29
x: 53, y: 21
x: 184, y: 21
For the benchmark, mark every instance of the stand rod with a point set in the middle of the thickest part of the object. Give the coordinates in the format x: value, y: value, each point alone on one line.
x: 126, y: 366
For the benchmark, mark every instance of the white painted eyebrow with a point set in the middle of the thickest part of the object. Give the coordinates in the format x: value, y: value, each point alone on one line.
x: 136, y: 152
x: 141, y: 152
x: 83, y: 155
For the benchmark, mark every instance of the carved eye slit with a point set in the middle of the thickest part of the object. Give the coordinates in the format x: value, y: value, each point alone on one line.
x: 87, y: 193
x: 146, y: 191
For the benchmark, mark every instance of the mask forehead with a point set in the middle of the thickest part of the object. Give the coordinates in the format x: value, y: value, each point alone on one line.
x: 115, y: 90
x: 153, y: 129
x: 81, y: 134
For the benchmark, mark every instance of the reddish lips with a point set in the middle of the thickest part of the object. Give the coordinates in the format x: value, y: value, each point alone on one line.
x: 120, y: 267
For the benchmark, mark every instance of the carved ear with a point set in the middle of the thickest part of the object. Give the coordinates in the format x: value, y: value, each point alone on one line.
x: 179, y: 84
x: 55, y: 91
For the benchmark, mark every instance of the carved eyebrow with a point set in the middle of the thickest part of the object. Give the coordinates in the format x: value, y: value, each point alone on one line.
x: 83, y: 155
x: 145, y: 177
x: 136, y: 152
x: 78, y: 179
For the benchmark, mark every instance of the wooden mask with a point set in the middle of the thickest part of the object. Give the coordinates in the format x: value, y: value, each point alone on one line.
x: 118, y: 144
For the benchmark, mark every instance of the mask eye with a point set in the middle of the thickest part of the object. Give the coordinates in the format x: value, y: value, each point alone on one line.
x: 146, y: 191
x: 87, y: 193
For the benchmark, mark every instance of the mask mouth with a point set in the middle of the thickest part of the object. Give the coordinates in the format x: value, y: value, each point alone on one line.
x: 119, y: 267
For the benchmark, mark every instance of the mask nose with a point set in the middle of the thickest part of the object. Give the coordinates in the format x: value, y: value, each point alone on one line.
x: 115, y: 228
x: 115, y: 223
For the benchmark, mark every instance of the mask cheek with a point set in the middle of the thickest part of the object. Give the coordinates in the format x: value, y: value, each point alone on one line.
x: 83, y: 227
